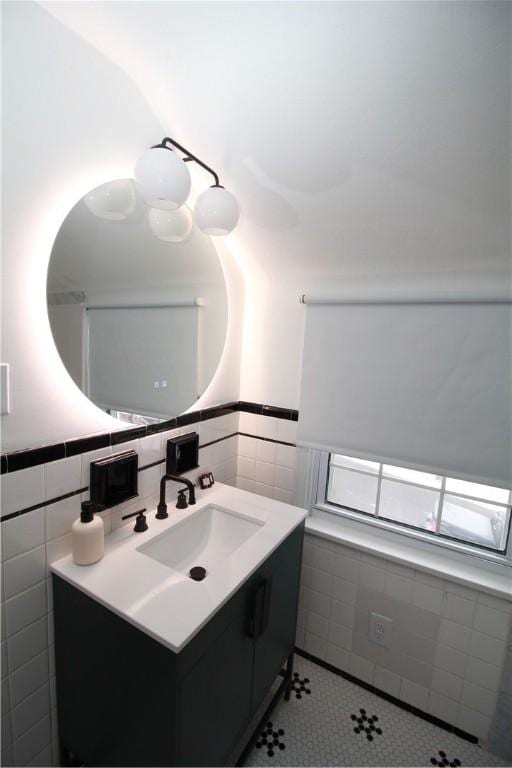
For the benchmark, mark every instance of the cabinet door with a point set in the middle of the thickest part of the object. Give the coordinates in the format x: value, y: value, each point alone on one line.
x: 276, y: 604
x: 214, y: 698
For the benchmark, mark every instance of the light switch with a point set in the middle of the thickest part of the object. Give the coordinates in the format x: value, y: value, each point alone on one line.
x: 5, y: 406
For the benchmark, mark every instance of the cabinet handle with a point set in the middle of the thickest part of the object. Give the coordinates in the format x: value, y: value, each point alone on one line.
x: 260, y: 608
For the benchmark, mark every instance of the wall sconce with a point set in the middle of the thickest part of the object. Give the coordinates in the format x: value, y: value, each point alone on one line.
x: 163, y: 180
x: 113, y: 201
x: 171, y: 226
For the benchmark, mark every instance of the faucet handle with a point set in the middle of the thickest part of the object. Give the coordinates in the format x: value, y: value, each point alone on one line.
x: 140, y: 520
x: 182, y: 500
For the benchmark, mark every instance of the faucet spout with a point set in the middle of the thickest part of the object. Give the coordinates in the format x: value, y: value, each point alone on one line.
x: 162, y: 506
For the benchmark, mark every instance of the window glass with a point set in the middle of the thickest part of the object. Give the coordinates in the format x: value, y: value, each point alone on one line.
x: 486, y: 492
x: 471, y: 513
x: 352, y: 489
x: 338, y: 460
x: 412, y: 476
x: 409, y: 504
x: 474, y: 521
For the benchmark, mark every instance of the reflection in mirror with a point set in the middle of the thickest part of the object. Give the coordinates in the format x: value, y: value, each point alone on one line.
x: 137, y: 304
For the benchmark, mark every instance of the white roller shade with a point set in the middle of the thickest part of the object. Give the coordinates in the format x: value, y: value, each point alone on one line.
x: 132, y: 348
x: 423, y: 385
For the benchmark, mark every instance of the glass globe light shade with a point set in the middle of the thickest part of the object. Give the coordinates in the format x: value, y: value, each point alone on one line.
x: 162, y: 179
x: 114, y: 201
x: 171, y: 226
x: 216, y: 211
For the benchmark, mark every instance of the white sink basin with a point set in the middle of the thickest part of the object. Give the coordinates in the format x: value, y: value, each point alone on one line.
x: 205, y: 538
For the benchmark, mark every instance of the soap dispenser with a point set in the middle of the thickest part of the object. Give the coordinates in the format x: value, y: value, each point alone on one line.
x: 87, y: 535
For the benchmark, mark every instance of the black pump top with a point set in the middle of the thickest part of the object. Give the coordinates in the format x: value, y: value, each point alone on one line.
x: 88, y: 508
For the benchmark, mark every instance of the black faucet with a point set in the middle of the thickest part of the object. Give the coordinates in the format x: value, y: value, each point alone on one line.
x: 140, y: 520
x: 162, y: 506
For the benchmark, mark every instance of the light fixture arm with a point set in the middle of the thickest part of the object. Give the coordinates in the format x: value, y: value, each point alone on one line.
x: 189, y: 157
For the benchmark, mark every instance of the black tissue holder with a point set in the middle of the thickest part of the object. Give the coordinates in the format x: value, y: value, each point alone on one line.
x: 114, y: 479
x: 182, y: 454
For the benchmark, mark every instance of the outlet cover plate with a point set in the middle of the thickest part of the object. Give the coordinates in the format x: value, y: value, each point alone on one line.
x: 380, y: 630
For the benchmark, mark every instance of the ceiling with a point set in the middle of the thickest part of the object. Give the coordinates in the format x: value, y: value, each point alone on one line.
x: 360, y: 138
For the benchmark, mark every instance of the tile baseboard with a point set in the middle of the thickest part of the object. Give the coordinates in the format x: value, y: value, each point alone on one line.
x: 388, y: 697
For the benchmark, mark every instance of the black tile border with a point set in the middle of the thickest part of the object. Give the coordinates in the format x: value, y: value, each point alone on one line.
x: 219, y: 440
x: 156, y: 463
x: 163, y: 426
x: 64, y: 496
x: 247, y: 407
x: 280, y: 413
x: 116, y: 438
x: 32, y: 457
x: 84, y: 445
x: 45, y: 503
x: 266, y: 439
x: 388, y: 697
x: 150, y: 466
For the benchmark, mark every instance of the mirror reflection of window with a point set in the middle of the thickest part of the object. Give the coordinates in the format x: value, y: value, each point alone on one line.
x: 138, y: 311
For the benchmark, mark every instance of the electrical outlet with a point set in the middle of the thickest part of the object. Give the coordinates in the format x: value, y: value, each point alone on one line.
x: 380, y: 630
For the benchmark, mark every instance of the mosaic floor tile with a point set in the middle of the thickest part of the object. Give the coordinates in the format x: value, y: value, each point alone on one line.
x: 339, y: 723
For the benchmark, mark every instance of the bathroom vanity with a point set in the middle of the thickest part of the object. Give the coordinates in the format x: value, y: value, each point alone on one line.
x: 154, y: 668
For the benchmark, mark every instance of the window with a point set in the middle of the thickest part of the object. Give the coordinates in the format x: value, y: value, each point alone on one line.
x: 133, y: 418
x: 449, y: 509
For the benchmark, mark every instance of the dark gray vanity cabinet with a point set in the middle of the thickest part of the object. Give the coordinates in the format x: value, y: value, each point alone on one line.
x: 126, y: 700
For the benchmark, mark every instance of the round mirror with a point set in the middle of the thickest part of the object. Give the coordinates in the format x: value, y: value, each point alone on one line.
x: 137, y: 304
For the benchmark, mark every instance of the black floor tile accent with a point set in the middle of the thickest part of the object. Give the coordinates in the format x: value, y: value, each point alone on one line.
x: 271, y: 739
x: 388, y: 697
x: 346, y: 724
x: 443, y: 760
x: 366, y: 724
x: 300, y: 687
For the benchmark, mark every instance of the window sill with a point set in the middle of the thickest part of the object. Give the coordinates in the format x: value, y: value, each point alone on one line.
x: 470, y: 571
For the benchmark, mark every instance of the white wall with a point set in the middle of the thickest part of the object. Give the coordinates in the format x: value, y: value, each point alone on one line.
x: 449, y: 641
x: 361, y: 139
x: 71, y: 120
x: 31, y: 542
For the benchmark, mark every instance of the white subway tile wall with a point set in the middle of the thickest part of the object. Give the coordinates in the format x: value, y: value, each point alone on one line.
x: 448, y: 641
x: 264, y: 467
x: 34, y: 540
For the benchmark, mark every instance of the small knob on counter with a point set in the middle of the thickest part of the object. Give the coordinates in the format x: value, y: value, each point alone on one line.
x: 140, y: 520
x: 182, y: 500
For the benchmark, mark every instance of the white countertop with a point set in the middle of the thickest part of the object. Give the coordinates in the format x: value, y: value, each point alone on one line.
x: 163, y: 603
